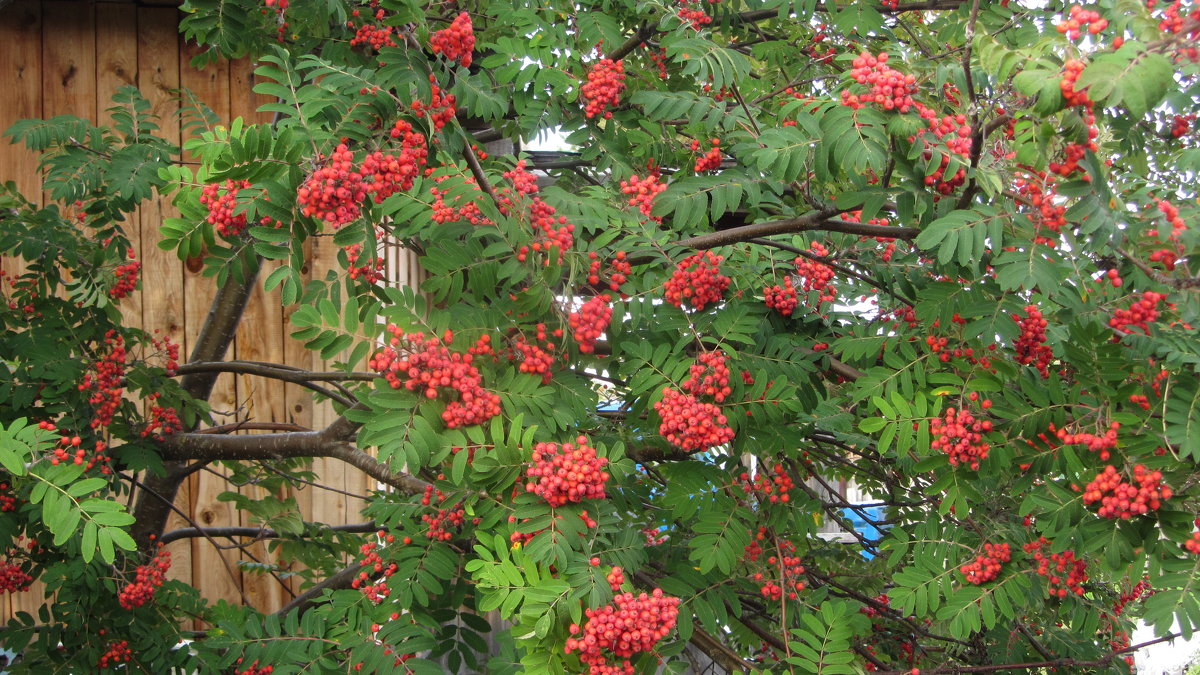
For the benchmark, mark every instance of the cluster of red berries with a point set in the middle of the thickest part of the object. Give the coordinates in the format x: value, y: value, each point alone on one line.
x: 709, y: 376
x: 769, y: 485
x: 694, y: 16
x: 1181, y: 124
x: 457, y: 42
x: 815, y: 276
x: 890, y: 242
x: 987, y: 566
x: 1140, y: 313
x: 107, y: 380
x: 8, y: 503
x: 1119, y: 499
x: 551, y: 231
x: 621, y: 269
x: 535, y: 359
x: 116, y: 652
x: 697, y: 279
x: 787, y: 564
x: 1100, y: 443
x: 466, y: 211
x: 440, y: 521
x: 605, y: 82
x: 1171, y: 212
x: 372, y: 562
x: 372, y: 35
x: 333, y: 193
x: 890, y: 89
x: 1031, y: 344
x: 1193, y: 544
x: 149, y: 577
x: 164, y: 420
x: 566, y: 473
x: 385, y: 174
x: 690, y: 424
x: 70, y: 449
x: 370, y: 271
x: 1166, y: 256
x: 1063, y: 570
x: 440, y: 107
x: 632, y: 624
x: 642, y: 192
x: 1071, y: 71
x: 221, y: 198
x: 615, y: 578
x: 125, y: 277
x: 709, y: 161
x: 430, y: 366
x: 254, y: 669
x: 960, y: 435
x: 782, y: 298
x: 1039, y: 190
x: 590, y: 322
x: 1139, y: 589
x: 1080, y: 20
x: 13, y: 579
x: 169, y: 350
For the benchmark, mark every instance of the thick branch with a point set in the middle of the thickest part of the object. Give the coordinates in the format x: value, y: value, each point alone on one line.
x: 307, y: 599
x: 818, y: 220
x: 255, y: 533
x: 272, y: 371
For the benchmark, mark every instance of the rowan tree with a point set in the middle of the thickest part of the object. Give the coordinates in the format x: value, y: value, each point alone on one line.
x: 939, y: 250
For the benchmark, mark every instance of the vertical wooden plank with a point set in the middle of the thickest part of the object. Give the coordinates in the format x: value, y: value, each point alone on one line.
x: 260, y: 338
x: 328, y: 507
x: 297, y: 401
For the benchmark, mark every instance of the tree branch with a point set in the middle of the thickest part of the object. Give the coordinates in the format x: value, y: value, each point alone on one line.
x: 818, y: 220
x: 255, y: 533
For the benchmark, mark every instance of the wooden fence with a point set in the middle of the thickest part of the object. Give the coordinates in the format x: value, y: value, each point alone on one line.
x: 69, y: 57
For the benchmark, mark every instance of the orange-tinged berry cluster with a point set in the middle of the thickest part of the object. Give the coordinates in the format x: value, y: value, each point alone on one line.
x: 890, y: 89
x: 709, y: 376
x: 642, y: 192
x: 440, y: 107
x: 1031, y: 344
x: 1081, y: 20
x: 816, y: 276
x: 13, y: 578
x: 697, y: 279
x: 1099, y: 443
x: 372, y: 579
x: 987, y: 565
x: 602, y: 91
x: 221, y: 199
x: 709, y: 161
x: 148, y: 579
x: 106, y: 380
x: 333, y: 193
x: 690, y: 424
x: 1124, y: 500
x: 771, y: 485
x: 115, y: 653
x: 456, y: 42
x: 566, y: 473
x: 1063, y: 571
x: 590, y: 322
x: 782, y: 298
x: 125, y: 277
x: 960, y: 435
x: 631, y: 625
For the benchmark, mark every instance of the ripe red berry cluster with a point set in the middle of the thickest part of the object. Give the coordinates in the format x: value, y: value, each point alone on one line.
x: 1031, y: 344
x: 457, y: 42
x: 375, y: 36
x: 1193, y: 544
x: 430, y: 366
x: 890, y: 89
x: 368, y: 580
x: 621, y: 269
x: 1139, y: 589
x: 690, y: 424
x: 709, y: 161
x: 786, y: 565
x: 8, y: 503
x: 1080, y: 20
x: 960, y: 435
x: 566, y: 473
x: 769, y: 485
x: 1166, y: 256
x: 440, y: 107
x: 115, y: 652
x: 1038, y: 189
x: 890, y: 248
x: 13, y: 579
x: 1181, y: 124
x: 255, y: 669
x: 71, y: 449
x: 107, y: 380
x: 1094, y: 442
x: 371, y: 271
x: 333, y: 193
x: 615, y: 578
x: 125, y: 277
x: 1140, y: 313
x: 632, y: 624
x: 551, y: 231
x: 1119, y: 499
x: 444, y: 518
x: 535, y: 360
x: 590, y: 322
x: 385, y: 174
x: 221, y: 198
x: 1071, y: 71
x: 164, y: 420
x: 1063, y: 570
x: 987, y: 566
x: 815, y: 276
x: 605, y: 82
x: 697, y: 279
x: 169, y: 350
x: 149, y: 577
x: 1172, y: 214
x: 782, y: 298
x: 709, y: 376
x: 642, y: 192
